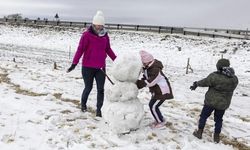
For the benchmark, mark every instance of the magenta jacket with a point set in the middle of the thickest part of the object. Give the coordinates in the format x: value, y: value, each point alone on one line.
x: 94, y: 50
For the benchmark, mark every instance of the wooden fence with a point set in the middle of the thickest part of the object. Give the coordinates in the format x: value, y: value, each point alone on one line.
x: 211, y: 32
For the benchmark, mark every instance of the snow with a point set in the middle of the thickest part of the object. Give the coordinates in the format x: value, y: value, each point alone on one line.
x: 127, y: 67
x: 39, y: 105
x: 123, y: 111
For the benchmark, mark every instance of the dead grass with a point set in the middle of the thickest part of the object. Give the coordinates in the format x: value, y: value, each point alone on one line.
x: 5, y: 79
x: 235, y: 143
x: 65, y: 111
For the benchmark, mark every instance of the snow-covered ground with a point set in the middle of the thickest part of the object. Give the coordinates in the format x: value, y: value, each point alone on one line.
x: 39, y: 105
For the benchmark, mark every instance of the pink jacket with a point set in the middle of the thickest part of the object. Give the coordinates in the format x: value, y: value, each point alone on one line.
x: 94, y: 50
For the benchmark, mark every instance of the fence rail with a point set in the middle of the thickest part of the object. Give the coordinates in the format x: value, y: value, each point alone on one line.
x: 211, y: 32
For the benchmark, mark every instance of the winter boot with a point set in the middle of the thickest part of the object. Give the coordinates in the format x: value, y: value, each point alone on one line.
x: 216, y: 137
x: 198, y: 133
x: 98, y: 113
x: 84, y: 108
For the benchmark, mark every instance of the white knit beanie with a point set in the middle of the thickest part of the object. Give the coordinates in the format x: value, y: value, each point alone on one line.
x: 98, y: 19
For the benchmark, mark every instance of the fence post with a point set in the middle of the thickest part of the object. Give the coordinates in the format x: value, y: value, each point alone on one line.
x: 69, y: 52
x: 57, y: 23
x: 246, y: 34
x: 118, y: 27
x: 187, y: 65
x: 137, y: 27
x: 34, y: 21
x: 70, y: 24
x: 198, y: 34
x: 55, y: 66
x: 85, y: 24
x: 159, y: 29
x: 171, y: 30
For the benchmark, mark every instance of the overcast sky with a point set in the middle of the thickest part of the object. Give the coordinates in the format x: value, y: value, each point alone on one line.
x: 183, y: 13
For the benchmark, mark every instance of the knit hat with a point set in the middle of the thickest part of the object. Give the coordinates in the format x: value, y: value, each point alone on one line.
x: 98, y: 19
x: 222, y: 63
x: 146, y: 57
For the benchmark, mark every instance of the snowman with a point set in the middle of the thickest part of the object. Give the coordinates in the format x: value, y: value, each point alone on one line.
x: 122, y: 109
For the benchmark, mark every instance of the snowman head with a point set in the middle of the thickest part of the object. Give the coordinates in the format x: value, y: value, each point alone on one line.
x: 126, y: 68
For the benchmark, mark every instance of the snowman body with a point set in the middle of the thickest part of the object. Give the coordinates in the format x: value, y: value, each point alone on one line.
x: 122, y: 109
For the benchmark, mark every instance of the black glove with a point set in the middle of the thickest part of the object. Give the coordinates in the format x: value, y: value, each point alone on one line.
x: 140, y: 84
x: 72, y: 67
x: 194, y: 86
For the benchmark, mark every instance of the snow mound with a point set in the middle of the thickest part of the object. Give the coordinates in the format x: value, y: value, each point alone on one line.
x: 126, y: 68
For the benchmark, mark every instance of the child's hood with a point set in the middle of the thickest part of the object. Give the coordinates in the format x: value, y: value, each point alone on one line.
x: 157, y: 64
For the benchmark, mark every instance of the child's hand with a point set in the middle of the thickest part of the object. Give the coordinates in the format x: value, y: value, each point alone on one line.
x: 194, y: 86
x: 140, y: 84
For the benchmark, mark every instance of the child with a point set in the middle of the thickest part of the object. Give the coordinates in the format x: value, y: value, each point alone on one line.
x: 158, y: 84
x: 221, y: 85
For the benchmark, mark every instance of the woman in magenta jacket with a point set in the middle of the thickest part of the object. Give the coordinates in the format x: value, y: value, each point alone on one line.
x: 94, y: 46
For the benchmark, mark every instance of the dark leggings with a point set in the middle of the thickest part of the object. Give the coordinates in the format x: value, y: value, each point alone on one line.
x: 218, y: 115
x: 155, y: 111
x: 89, y: 74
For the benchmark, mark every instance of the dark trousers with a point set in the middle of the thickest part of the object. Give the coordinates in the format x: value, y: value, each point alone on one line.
x: 218, y: 115
x: 89, y: 74
x: 155, y: 111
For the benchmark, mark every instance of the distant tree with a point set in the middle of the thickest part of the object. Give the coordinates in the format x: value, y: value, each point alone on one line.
x: 38, y: 18
x: 57, y: 17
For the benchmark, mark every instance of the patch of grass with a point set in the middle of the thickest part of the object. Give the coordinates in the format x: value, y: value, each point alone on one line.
x: 245, y: 119
x: 91, y: 127
x: 47, y: 117
x: 8, y: 138
x: 169, y: 124
x: 4, y: 78
x: 77, y: 131
x: 57, y: 95
x: 91, y: 110
x: 196, y: 110
x: 87, y: 136
x: 26, y: 92
x: 151, y: 136
x: 93, y: 145
x: 235, y: 143
x: 65, y: 111
x: 34, y: 122
x: 70, y: 120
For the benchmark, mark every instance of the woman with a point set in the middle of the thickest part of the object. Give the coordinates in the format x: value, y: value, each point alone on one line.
x: 94, y: 46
